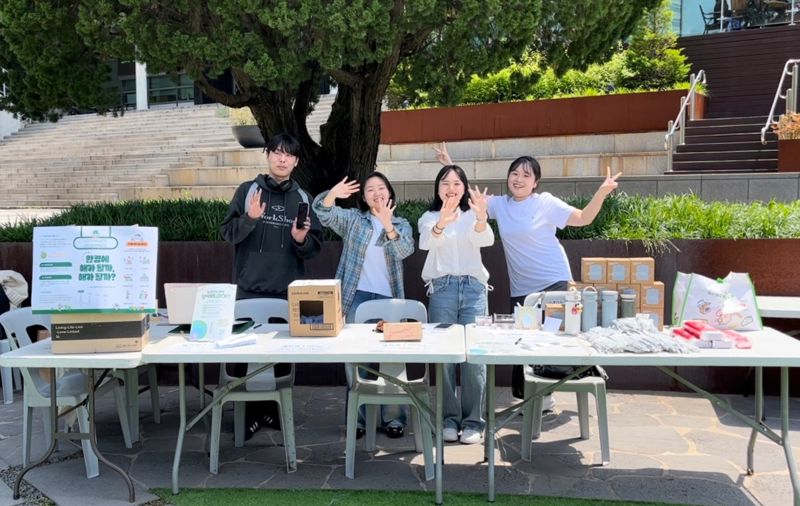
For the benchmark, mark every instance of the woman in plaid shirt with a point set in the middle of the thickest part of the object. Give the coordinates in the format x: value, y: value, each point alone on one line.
x: 374, y: 244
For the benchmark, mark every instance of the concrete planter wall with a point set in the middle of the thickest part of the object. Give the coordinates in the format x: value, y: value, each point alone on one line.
x: 770, y: 262
x: 628, y: 113
x: 789, y: 155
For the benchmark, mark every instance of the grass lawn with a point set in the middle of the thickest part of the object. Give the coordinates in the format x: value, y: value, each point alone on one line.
x: 249, y: 496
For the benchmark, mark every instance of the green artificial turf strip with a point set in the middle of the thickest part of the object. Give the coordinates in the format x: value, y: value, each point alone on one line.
x: 249, y: 496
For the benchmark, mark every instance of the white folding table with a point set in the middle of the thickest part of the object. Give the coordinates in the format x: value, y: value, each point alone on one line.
x: 39, y: 354
x: 355, y: 344
x: 778, y: 307
x: 510, y: 347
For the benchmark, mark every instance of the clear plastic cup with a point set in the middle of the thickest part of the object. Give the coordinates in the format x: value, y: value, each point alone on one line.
x: 504, y: 321
x: 483, y: 321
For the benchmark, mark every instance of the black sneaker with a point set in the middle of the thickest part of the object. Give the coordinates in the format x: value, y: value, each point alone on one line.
x: 360, y: 431
x: 272, y: 423
x: 250, y: 429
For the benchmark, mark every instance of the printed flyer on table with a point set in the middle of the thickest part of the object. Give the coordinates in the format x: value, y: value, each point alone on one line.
x: 94, y: 269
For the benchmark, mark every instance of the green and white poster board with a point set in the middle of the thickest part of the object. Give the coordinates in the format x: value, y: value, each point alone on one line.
x: 94, y: 269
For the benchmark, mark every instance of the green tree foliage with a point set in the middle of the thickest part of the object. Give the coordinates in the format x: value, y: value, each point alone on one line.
x: 278, y: 51
x: 652, y: 58
x: 47, y: 66
x: 649, y: 60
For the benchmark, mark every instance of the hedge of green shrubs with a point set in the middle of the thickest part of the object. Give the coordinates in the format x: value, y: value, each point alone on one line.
x: 652, y: 219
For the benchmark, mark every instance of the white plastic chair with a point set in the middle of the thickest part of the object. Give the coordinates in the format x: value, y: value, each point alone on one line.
x: 532, y: 414
x: 375, y: 392
x: 260, y: 311
x: 10, y: 377
x: 71, y: 390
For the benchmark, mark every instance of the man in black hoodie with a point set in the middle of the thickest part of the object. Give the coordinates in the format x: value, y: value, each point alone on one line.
x: 270, y: 246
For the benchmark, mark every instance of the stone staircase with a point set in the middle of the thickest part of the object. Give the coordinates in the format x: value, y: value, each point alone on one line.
x: 190, y: 152
x: 90, y: 158
x: 414, y: 166
x: 160, y: 153
x: 726, y: 145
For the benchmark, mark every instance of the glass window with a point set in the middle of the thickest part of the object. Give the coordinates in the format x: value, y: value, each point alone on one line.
x: 700, y: 17
x: 162, y: 89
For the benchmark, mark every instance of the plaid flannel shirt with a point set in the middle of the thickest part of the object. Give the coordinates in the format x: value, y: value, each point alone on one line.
x: 355, y: 228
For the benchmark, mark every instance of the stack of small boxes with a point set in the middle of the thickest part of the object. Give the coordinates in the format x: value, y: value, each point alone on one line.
x: 627, y: 275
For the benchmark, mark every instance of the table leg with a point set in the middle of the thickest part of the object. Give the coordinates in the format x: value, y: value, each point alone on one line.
x: 93, y: 441
x: 438, y: 426
x: 53, y: 425
x: 490, y: 402
x: 132, y: 400
x: 787, y: 447
x: 201, y: 381
x: 758, y: 416
x: 176, y: 462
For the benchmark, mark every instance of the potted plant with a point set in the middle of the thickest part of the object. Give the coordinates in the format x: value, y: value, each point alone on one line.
x: 788, y: 130
x: 245, y: 129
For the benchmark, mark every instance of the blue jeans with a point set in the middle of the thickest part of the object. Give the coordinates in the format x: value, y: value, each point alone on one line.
x: 393, y: 415
x: 459, y: 299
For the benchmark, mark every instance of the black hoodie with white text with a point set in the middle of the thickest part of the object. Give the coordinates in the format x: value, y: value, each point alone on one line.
x: 267, y: 258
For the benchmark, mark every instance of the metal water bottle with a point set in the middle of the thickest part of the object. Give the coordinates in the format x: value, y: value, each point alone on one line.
x: 609, y: 309
x: 627, y: 306
x: 572, y: 312
x: 589, y: 314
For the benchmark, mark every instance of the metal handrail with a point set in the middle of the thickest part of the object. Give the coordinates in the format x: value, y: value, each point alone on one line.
x: 679, y: 125
x: 790, y: 96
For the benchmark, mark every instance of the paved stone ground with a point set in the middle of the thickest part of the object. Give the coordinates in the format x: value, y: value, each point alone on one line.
x: 665, y: 447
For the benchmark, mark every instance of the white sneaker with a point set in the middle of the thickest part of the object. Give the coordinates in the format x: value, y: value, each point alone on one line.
x: 471, y: 437
x: 450, y: 435
x: 548, y: 403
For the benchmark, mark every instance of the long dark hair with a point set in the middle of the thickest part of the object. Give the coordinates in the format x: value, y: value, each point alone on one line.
x: 437, y: 203
x: 362, y: 204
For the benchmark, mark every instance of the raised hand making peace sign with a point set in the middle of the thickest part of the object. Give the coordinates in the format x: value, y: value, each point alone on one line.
x: 610, y: 184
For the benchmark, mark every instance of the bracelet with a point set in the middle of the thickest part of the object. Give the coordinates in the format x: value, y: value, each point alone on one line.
x: 436, y: 229
x: 392, y: 231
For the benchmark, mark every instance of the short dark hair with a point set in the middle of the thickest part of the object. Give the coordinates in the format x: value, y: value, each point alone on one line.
x: 283, y: 142
x: 436, y: 205
x: 362, y: 204
x: 526, y: 162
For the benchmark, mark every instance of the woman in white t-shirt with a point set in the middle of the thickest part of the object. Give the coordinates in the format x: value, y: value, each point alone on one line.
x: 527, y: 222
x: 453, y: 232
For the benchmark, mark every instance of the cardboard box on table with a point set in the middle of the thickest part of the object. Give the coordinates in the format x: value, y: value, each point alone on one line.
x: 403, y: 331
x: 643, y: 270
x: 654, y: 313
x: 577, y: 285
x: 601, y: 287
x: 555, y: 311
x: 99, y: 332
x: 653, y: 295
x: 593, y: 270
x: 618, y: 270
x: 315, y: 308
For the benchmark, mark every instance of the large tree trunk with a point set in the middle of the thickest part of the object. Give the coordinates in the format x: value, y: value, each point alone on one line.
x: 349, y: 139
x: 351, y: 136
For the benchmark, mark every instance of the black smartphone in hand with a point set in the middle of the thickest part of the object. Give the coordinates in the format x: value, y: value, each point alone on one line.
x: 302, y: 214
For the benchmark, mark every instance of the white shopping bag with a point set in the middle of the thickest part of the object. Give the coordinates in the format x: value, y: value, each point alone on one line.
x: 728, y: 303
